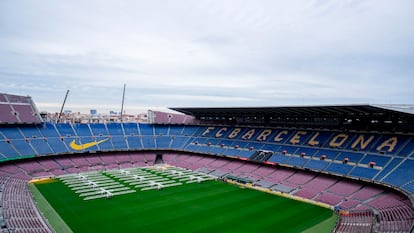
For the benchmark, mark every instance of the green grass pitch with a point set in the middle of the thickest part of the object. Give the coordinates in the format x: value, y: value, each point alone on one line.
x: 211, y: 206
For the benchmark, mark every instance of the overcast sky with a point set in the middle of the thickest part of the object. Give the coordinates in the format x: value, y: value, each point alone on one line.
x: 207, y: 53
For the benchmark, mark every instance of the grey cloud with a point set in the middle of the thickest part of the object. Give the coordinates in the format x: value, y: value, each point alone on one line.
x: 208, y: 53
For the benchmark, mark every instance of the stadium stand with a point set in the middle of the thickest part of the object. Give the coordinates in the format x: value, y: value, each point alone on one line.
x: 158, y: 117
x: 40, y: 140
x: 18, y: 109
x: 19, y: 211
x: 366, y: 175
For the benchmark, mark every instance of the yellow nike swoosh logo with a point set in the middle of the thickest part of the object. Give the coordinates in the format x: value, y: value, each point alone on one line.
x: 84, y: 146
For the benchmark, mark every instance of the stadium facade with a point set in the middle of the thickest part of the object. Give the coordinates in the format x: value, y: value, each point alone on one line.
x: 357, y: 159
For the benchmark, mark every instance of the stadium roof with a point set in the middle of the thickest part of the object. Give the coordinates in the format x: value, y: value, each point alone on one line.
x: 350, y: 117
x: 405, y: 108
x: 331, y: 110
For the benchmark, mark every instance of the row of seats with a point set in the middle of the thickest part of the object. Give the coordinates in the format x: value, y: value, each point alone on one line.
x: 17, y: 109
x: 17, y: 208
x: 158, y: 117
x: 310, y: 143
x: 260, y: 145
x: 395, y: 210
x: 358, y: 202
x: 293, y: 141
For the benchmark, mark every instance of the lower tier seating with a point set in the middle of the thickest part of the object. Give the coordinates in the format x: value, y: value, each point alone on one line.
x: 363, y: 207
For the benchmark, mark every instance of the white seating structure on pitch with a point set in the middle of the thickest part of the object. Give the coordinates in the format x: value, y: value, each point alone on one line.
x: 106, y: 184
x: 143, y: 179
x: 182, y: 174
x: 158, y: 177
x: 94, y: 185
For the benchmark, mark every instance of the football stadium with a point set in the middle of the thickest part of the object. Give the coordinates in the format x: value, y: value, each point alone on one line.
x: 336, y: 168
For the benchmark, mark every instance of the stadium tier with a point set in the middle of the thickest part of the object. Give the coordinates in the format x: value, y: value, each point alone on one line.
x: 366, y: 175
x: 18, y: 109
x: 382, y: 158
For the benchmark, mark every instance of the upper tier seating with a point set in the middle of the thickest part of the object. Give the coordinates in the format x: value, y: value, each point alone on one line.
x: 17, y: 109
x: 171, y: 118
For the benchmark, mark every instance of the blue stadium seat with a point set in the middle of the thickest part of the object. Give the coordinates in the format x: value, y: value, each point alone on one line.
x: 364, y: 172
x: 307, y: 150
x: 409, y: 187
x: 288, y: 149
x: 218, y: 150
x: 57, y: 145
x: 402, y: 175
x: 134, y: 142
x: 190, y: 130
x: 131, y: 129
x: 278, y: 158
x: 388, y: 168
x: 323, y: 138
x: 296, y: 161
x: 163, y: 142
x: 352, y: 156
x: 232, y: 152
x: 7, y: 151
x: 106, y: 145
x: 190, y: 147
x: 146, y: 129
x: 23, y: 147
x: 408, y: 149
x: 98, y: 129
x: 119, y: 142
x: 339, y: 168
x: 148, y: 142
x: 380, y: 160
x: 48, y: 130
x: 41, y: 146
x: 11, y: 133
x: 270, y: 147
x: 203, y: 148
x: 316, y: 164
x: 82, y: 130
x: 179, y: 142
x: 401, y: 141
x: 161, y: 130
x: 115, y: 129
x: 254, y: 145
x: 31, y: 132
x: 65, y: 130
x: 330, y: 154
x: 175, y: 130
x: 246, y: 153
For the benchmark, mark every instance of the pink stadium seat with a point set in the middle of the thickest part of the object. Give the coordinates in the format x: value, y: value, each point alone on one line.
x: 18, y: 99
x: 329, y: 198
x: 6, y: 114
x: 19, y: 209
x: 307, y: 193
x: 3, y: 98
x: 366, y: 193
x: 300, y: 178
x: 349, y: 204
x: 279, y: 175
x: 25, y: 113
x: 344, y: 188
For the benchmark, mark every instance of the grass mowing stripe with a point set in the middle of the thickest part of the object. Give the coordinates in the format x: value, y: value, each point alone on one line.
x: 207, y: 207
x: 50, y: 214
x: 323, y: 226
